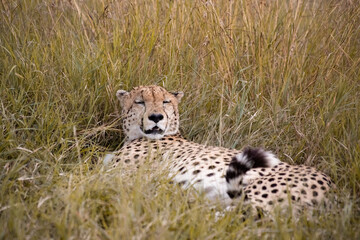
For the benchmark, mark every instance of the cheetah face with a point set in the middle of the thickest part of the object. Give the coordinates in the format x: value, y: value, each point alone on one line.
x: 149, y: 111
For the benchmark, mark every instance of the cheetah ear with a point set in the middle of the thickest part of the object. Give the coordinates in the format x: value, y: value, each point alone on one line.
x: 178, y: 95
x: 122, y: 95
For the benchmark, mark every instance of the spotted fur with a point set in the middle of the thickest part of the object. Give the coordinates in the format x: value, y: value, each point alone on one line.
x: 301, y: 186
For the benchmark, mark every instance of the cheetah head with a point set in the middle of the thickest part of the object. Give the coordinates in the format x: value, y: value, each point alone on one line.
x: 149, y: 111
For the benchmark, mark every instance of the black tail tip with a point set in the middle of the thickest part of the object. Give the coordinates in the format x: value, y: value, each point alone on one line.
x: 260, y: 158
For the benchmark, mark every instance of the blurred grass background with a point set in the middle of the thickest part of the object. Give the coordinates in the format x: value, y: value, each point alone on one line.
x: 284, y: 75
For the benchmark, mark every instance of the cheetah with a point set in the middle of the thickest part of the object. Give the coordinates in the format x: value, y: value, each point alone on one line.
x: 150, y: 121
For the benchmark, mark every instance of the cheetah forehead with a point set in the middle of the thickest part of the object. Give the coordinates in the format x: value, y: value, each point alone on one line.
x: 154, y: 93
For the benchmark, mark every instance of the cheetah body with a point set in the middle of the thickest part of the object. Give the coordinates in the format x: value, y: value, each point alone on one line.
x: 302, y: 186
x: 188, y: 163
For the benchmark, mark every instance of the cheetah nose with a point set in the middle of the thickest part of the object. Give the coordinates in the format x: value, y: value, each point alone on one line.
x: 156, y: 117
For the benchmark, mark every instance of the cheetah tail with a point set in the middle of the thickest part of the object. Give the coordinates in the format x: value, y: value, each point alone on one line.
x: 243, y: 162
x: 257, y: 158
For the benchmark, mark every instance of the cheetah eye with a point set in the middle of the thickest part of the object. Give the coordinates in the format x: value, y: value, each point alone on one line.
x: 140, y: 102
x: 166, y: 101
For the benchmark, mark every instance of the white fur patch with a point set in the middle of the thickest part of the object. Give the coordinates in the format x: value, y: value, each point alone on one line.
x: 243, y: 159
x: 154, y: 136
x: 271, y: 159
x: 233, y: 184
x: 107, y: 159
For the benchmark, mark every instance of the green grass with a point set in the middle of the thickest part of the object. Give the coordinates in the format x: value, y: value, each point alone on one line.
x: 284, y: 75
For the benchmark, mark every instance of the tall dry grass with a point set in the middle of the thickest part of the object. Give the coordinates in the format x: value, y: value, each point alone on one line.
x: 279, y: 74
